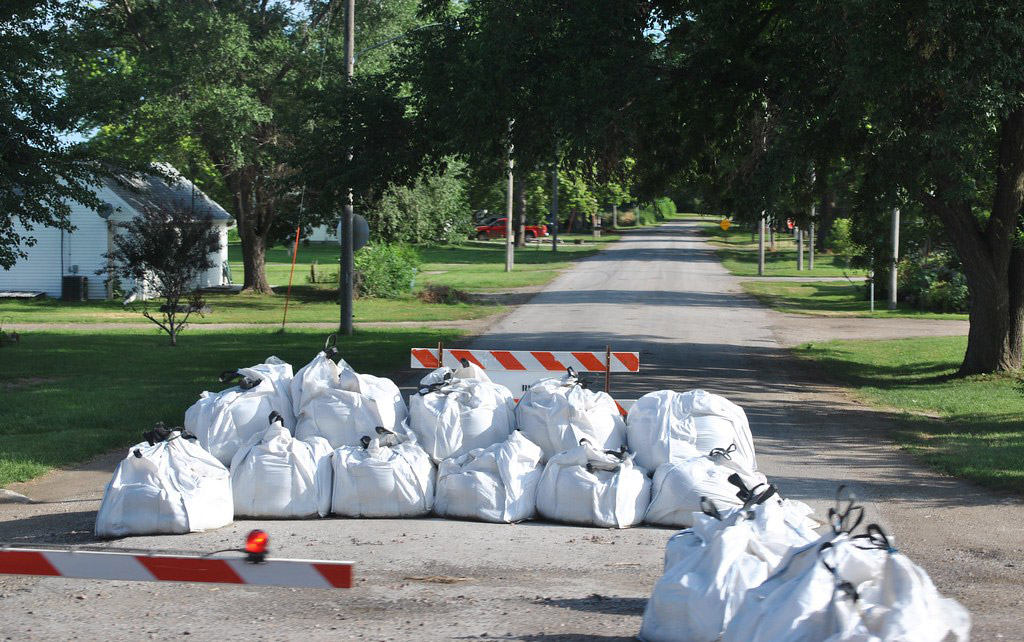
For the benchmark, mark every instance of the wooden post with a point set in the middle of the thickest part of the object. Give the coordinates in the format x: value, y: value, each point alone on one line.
x: 608, y: 369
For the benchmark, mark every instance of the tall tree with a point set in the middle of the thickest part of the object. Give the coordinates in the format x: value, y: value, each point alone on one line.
x: 922, y: 101
x: 229, y: 75
x: 41, y: 174
x: 571, y: 78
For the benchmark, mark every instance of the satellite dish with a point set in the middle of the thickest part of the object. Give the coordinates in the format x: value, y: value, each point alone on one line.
x: 360, y: 231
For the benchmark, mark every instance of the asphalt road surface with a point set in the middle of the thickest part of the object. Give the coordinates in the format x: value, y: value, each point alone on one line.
x: 660, y: 292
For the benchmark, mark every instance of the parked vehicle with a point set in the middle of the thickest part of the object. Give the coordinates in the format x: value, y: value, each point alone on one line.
x: 496, y: 229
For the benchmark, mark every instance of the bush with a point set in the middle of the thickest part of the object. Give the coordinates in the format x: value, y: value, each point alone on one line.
x: 385, y: 271
x: 934, y: 282
x: 840, y: 241
x: 664, y: 208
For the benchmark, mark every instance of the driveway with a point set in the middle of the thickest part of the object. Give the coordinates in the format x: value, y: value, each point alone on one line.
x: 661, y: 292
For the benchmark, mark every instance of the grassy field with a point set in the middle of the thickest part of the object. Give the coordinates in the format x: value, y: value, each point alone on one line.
x: 968, y: 427
x: 830, y: 298
x: 480, y: 265
x: 739, y: 255
x: 71, y: 395
x: 475, y: 266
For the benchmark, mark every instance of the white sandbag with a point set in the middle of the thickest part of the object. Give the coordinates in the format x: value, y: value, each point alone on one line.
x: 171, y: 486
x: 720, y: 423
x: 224, y: 421
x: 709, y: 567
x: 699, y: 594
x: 333, y: 401
x: 380, y: 480
x: 901, y: 602
x: 495, y: 484
x: 454, y: 413
x: 660, y: 429
x: 277, y: 475
x: 593, y: 488
x: 557, y: 413
x: 678, y: 487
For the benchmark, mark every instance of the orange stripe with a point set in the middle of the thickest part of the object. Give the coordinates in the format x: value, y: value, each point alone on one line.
x: 548, y: 360
x: 426, y: 357
x: 589, y: 361
x: 467, y: 355
x: 181, y: 569
x: 507, y: 361
x: 628, y: 359
x: 25, y: 563
x: 337, y: 575
x: 622, y: 411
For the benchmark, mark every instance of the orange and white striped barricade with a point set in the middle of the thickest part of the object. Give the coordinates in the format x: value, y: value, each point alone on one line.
x: 145, y: 567
x: 519, y: 369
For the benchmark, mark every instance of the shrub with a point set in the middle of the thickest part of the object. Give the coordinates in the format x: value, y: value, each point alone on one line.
x: 840, y: 241
x: 664, y: 208
x: 934, y: 282
x: 385, y: 271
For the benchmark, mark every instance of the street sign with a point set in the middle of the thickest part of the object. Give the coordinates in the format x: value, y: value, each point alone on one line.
x: 360, y: 231
x: 725, y: 224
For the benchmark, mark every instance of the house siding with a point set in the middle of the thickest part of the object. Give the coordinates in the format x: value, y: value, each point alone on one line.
x: 83, y: 250
x: 80, y: 252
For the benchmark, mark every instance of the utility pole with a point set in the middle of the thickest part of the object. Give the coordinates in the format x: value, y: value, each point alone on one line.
x: 347, y: 251
x: 810, y: 242
x: 893, y: 274
x: 554, y: 204
x: 509, y: 252
x: 799, y: 248
x: 760, y: 245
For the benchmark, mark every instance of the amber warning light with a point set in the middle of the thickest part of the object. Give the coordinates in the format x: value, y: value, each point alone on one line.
x: 256, y: 546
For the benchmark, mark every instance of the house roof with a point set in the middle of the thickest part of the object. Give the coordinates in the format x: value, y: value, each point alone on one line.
x: 152, y: 190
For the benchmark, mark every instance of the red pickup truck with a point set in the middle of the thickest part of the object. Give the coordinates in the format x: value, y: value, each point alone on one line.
x: 496, y: 229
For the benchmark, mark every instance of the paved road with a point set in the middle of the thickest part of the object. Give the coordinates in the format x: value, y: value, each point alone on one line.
x: 663, y: 293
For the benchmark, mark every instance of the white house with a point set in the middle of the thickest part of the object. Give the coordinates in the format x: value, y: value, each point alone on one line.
x: 79, y: 254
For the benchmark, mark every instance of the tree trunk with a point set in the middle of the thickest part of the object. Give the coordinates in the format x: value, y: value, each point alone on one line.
x: 519, y: 222
x: 826, y: 217
x: 992, y: 266
x: 252, y: 231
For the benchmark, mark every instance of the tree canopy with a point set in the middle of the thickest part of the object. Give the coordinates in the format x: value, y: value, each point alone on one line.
x: 41, y: 173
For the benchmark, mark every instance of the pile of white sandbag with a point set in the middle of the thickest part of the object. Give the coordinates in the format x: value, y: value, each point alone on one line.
x: 757, y: 574
x: 330, y: 440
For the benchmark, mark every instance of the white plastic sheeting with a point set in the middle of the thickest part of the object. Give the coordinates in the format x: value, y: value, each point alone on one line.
x: 173, y: 486
x: 383, y: 481
x: 495, y: 484
x: 557, y: 413
x: 454, y: 413
x: 224, y: 421
x: 709, y: 569
x: 333, y: 401
x: 848, y: 588
x: 277, y: 475
x: 594, y: 488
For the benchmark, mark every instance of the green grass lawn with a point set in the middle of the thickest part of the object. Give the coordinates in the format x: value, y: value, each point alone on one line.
x: 969, y: 427
x: 68, y: 396
x: 480, y: 265
x: 739, y: 255
x: 309, y: 303
x: 830, y: 298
